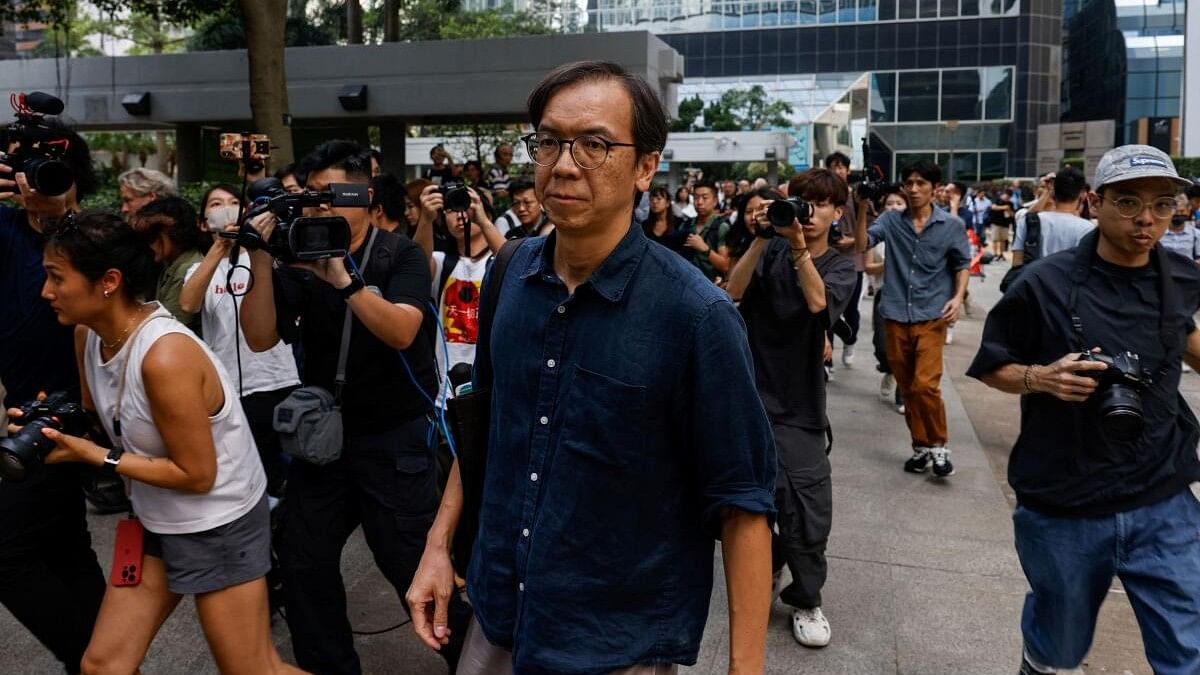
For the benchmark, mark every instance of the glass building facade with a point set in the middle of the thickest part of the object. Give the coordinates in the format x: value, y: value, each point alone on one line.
x: 1123, y: 61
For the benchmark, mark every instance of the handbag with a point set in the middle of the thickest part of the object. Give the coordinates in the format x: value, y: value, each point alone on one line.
x: 469, y: 417
x: 1033, y: 248
x: 309, y: 420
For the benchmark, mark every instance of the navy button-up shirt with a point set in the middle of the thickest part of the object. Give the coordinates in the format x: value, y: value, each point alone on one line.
x: 624, y: 418
x: 918, y: 278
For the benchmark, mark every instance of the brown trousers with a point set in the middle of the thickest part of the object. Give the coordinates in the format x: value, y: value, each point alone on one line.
x: 480, y: 657
x: 914, y: 352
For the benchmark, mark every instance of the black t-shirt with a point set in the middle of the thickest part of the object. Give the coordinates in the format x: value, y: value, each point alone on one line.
x: 37, y: 353
x: 1062, y: 463
x: 379, y: 394
x: 786, y: 339
x: 440, y: 176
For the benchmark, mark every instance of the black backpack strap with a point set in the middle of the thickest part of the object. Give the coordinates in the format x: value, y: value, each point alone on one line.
x: 1033, y: 237
x: 449, y: 262
x: 488, y: 302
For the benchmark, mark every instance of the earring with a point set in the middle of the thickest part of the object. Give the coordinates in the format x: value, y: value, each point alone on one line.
x: 107, y: 293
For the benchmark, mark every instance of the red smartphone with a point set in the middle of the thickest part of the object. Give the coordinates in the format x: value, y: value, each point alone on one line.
x: 127, y: 553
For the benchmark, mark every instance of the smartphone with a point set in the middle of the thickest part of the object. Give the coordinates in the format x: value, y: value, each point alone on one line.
x: 232, y: 144
x: 127, y: 553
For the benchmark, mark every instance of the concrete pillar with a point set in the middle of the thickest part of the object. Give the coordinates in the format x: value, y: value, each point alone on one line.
x: 189, y: 153
x: 772, y: 173
x: 392, y: 137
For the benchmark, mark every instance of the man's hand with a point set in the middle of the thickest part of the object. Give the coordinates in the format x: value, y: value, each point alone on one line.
x: 330, y: 270
x: 828, y: 353
x: 8, y: 186
x: 951, y: 309
x: 696, y: 242
x: 477, y: 213
x: 429, y: 595
x: 1063, y: 379
x: 431, y: 202
x: 265, y: 224
x: 38, y: 205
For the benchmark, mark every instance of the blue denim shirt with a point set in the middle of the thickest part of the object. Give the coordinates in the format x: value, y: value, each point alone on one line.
x: 918, y: 277
x: 624, y: 418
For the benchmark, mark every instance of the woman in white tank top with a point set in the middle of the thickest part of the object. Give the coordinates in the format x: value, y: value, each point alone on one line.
x: 195, y: 478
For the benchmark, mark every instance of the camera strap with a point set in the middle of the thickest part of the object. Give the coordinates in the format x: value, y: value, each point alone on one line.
x: 339, y: 381
x: 1085, y: 254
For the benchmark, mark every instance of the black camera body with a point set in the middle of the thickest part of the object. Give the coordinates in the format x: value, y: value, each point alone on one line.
x: 296, y: 237
x: 869, y: 183
x: 782, y: 212
x: 1119, y: 392
x: 23, y: 452
x: 455, y: 197
x: 40, y: 149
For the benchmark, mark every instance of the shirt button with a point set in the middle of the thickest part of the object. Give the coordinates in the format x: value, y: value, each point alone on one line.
x: 533, y: 476
x: 544, y: 420
x: 525, y: 532
x: 551, y: 363
x: 561, y: 309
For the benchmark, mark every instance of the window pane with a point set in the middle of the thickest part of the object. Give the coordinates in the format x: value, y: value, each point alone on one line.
x: 883, y: 97
x: 949, y: 7
x: 867, y: 10
x: 907, y: 9
x: 847, y: 10
x: 991, y: 165
x: 998, y: 83
x: 929, y: 9
x: 828, y: 10
x: 961, y: 95
x: 970, y: 7
x: 887, y: 10
x: 918, y: 96
x: 965, y: 167
x: 808, y: 11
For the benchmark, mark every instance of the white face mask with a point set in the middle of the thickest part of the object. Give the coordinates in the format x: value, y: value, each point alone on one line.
x: 221, y: 216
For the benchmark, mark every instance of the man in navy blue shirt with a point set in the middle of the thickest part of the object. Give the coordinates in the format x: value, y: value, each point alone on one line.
x: 49, y: 576
x: 626, y: 430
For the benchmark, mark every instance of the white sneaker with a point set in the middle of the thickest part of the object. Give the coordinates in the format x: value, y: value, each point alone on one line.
x: 1187, y: 368
x: 847, y: 355
x: 810, y: 627
x: 829, y: 372
x: 950, y: 335
x: 900, y: 409
x: 887, y: 387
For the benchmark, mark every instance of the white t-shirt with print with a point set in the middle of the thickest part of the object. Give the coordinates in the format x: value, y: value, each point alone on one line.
x: 458, y: 312
x: 261, y: 371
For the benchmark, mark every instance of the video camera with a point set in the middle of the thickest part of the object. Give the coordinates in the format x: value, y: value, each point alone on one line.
x: 296, y: 237
x: 40, y: 148
x: 21, y: 453
x: 869, y: 183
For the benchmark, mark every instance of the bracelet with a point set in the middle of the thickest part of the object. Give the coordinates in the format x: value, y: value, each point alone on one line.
x: 1028, y: 372
x: 800, y: 260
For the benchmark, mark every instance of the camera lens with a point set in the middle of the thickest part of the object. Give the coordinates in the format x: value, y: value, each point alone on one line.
x: 458, y: 199
x: 1121, y: 413
x: 21, y: 452
x: 48, y: 176
x: 781, y: 213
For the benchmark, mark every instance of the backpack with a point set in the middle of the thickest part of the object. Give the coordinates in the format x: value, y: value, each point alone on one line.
x: 1033, y: 249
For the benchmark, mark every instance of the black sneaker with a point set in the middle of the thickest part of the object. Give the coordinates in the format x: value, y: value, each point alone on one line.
x: 941, y: 463
x: 1027, y: 668
x: 919, y: 461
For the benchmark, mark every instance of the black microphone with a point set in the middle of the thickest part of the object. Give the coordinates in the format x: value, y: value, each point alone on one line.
x: 458, y: 375
x: 46, y: 104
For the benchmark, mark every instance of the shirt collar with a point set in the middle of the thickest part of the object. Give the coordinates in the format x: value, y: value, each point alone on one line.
x: 609, y: 279
x: 938, y: 215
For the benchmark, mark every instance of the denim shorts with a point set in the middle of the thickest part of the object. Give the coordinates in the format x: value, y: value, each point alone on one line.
x: 226, y: 555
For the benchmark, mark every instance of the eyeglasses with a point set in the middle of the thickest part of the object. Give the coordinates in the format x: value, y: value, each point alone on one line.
x: 1130, y: 207
x: 588, y: 151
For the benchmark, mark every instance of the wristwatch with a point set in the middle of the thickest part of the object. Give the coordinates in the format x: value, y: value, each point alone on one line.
x: 109, y: 467
x: 356, y: 285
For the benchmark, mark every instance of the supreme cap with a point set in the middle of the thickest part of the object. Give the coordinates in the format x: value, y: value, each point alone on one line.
x: 1129, y: 162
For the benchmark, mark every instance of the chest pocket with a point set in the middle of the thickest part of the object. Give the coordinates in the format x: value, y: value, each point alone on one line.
x: 603, y: 418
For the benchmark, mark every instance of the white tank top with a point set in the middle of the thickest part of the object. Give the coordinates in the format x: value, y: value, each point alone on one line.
x: 240, y: 480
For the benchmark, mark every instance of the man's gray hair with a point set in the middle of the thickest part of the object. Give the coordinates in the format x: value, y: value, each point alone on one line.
x: 147, y: 181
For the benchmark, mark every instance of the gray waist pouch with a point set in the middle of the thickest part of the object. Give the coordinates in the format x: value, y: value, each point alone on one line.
x: 310, y: 425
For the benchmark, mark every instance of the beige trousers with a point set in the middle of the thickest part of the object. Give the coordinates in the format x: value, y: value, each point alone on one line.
x: 480, y: 657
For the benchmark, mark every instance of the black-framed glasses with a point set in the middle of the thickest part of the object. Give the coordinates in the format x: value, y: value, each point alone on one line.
x: 1129, y: 207
x: 588, y: 151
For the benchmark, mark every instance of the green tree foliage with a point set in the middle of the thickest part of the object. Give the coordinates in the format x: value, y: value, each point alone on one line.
x: 746, y: 110
x: 689, y: 111
x: 228, y: 31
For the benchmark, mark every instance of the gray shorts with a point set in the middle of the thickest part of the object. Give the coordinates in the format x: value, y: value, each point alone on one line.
x: 227, y: 555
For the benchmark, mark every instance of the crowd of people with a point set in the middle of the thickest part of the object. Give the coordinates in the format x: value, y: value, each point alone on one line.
x: 656, y: 364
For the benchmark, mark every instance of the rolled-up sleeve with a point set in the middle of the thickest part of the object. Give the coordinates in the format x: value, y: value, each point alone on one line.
x: 959, y: 251
x: 731, y: 440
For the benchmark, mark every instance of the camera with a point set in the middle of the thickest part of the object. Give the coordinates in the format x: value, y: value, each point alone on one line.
x: 251, y: 146
x: 455, y: 197
x: 782, y: 212
x: 296, y: 237
x: 40, y: 148
x: 870, y: 182
x: 1119, y: 392
x: 23, y: 452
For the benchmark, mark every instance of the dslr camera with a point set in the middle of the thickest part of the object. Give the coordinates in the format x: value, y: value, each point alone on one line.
x: 40, y: 148
x: 782, y: 212
x: 1119, y: 393
x: 869, y: 183
x: 296, y: 237
x: 23, y: 452
x: 455, y: 197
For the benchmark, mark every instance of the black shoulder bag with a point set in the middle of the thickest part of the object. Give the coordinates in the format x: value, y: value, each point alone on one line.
x: 469, y: 417
x: 1033, y: 249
